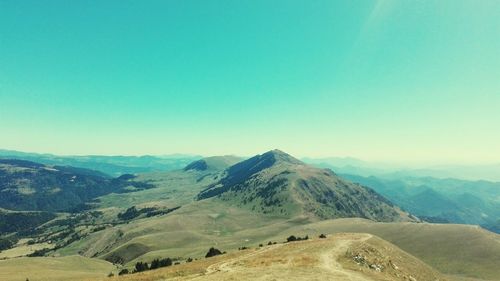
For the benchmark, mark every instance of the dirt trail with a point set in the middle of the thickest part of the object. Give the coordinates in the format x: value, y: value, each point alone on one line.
x: 330, y: 256
x: 227, y: 265
x: 323, y: 264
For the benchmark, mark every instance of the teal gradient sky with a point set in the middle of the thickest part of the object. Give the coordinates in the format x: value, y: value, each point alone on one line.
x: 400, y: 81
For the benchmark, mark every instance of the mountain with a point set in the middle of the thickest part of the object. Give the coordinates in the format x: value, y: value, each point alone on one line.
x: 214, y: 163
x: 111, y: 165
x: 277, y: 183
x: 30, y: 186
x: 441, y: 200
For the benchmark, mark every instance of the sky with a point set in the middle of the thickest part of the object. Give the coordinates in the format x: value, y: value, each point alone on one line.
x: 396, y: 81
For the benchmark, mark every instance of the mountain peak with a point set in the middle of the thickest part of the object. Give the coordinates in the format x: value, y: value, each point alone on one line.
x: 277, y: 183
x: 278, y: 156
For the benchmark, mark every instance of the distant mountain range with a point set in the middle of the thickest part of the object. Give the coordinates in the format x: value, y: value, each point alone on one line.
x: 110, y: 165
x: 355, y: 166
x: 441, y: 200
x: 118, y: 165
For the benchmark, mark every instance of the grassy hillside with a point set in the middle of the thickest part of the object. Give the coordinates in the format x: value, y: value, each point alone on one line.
x: 53, y: 269
x: 339, y: 257
x: 451, y: 249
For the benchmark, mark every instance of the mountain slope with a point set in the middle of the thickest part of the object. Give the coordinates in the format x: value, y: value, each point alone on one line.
x: 26, y: 185
x: 276, y: 183
x: 442, y: 200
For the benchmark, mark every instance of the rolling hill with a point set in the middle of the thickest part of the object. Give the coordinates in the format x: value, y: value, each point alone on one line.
x: 54, y: 269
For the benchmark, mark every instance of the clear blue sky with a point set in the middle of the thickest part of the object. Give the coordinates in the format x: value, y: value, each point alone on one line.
x: 407, y: 81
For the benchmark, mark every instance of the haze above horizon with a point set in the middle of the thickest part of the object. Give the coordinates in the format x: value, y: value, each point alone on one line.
x: 376, y: 80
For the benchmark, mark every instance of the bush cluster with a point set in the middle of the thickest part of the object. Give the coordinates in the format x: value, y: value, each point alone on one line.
x: 292, y: 238
x: 156, y: 263
x: 143, y: 266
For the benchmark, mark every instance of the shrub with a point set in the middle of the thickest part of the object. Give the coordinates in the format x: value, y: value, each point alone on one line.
x: 40, y: 253
x: 322, y: 235
x: 123, y: 271
x: 141, y: 266
x: 99, y: 228
x: 165, y: 262
x: 189, y: 260
x: 155, y: 264
x: 213, y: 252
x: 5, y: 244
x: 292, y: 238
x: 129, y: 214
